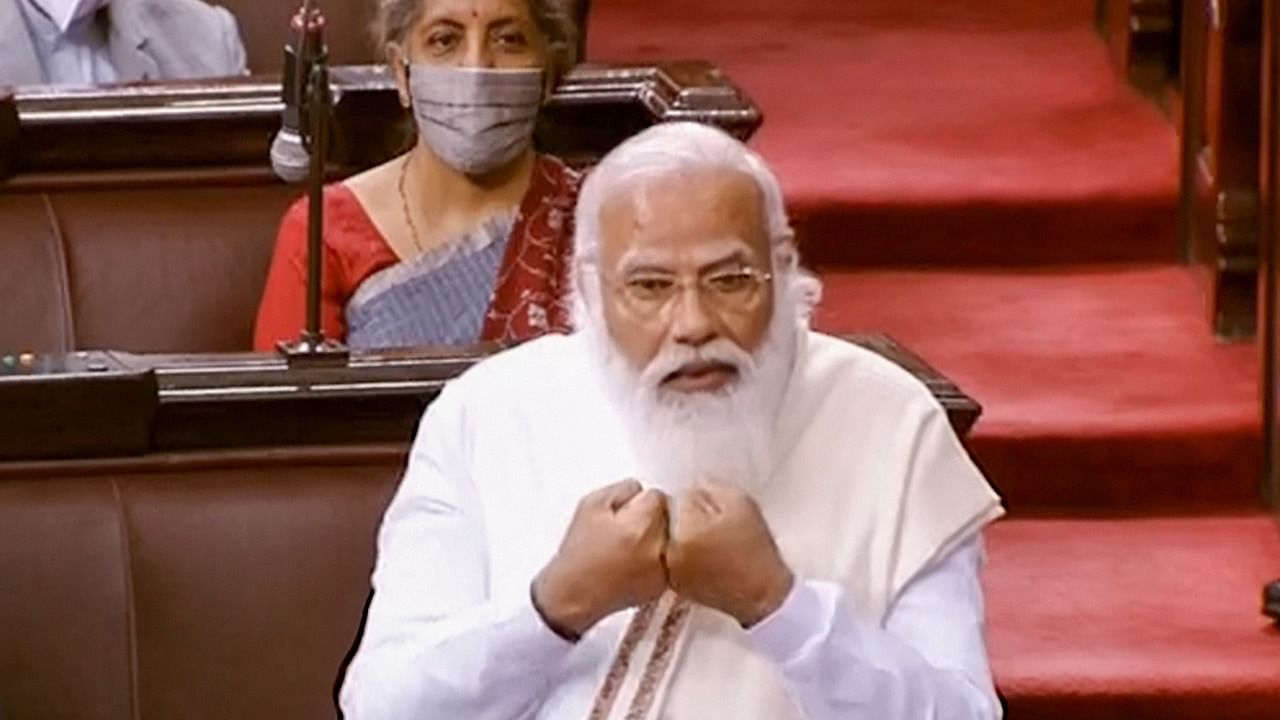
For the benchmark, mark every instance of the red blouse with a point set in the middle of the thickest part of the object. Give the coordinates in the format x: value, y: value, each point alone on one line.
x: 529, y: 298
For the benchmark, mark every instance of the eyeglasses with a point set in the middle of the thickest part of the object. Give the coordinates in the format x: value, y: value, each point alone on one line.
x: 652, y: 294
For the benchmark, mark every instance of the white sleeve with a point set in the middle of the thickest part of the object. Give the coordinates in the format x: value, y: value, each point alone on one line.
x: 928, y: 662
x: 434, y: 645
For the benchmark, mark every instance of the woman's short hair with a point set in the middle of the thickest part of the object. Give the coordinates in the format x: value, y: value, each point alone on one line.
x: 556, y: 18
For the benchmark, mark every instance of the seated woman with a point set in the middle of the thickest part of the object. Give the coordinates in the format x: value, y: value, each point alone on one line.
x: 466, y: 236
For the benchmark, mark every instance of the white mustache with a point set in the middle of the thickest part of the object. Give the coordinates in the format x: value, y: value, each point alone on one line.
x: 674, y: 357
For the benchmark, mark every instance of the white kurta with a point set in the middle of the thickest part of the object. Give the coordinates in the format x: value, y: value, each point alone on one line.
x: 873, y: 502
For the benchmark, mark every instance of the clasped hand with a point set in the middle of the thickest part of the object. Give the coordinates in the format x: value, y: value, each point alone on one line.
x: 622, y: 550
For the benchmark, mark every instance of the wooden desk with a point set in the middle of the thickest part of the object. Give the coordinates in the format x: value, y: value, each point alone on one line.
x: 247, y: 402
x: 219, y: 132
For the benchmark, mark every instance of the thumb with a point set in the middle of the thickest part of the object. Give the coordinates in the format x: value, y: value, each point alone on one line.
x: 614, y: 496
x: 646, y: 502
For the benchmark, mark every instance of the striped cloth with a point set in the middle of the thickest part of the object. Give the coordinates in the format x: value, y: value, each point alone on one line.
x: 438, y: 298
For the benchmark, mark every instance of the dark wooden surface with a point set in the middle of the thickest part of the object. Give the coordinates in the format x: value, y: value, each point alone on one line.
x: 1200, y: 60
x: 1269, y: 192
x: 75, y: 406
x: 220, y: 131
x: 8, y: 131
x: 1142, y: 37
x: 1219, y: 200
x: 246, y: 401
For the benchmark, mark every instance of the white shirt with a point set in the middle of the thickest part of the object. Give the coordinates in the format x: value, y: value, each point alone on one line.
x: 452, y: 633
x: 81, y: 56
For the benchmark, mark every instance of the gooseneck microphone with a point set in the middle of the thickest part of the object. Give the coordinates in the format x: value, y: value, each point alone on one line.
x: 290, y: 160
x: 299, y: 153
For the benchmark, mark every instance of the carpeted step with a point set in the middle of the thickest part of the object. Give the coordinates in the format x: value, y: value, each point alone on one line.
x: 1101, y: 387
x: 939, y: 133
x: 1134, y: 619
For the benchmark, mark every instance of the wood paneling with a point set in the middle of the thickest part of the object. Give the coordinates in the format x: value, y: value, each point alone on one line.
x: 219, y: 132
x: 147, y: 404
x: 1218, y: 205
x: 1142, y: 36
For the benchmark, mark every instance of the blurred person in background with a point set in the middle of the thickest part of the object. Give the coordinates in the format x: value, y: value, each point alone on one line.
x: 92, y: 42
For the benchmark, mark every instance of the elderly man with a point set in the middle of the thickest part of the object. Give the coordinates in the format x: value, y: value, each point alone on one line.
x: 90, y: 42
x: 691, y: 508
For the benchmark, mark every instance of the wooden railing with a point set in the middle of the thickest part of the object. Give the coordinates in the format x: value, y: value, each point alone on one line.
x: 1269, y: 322
x: 1218, y: 204
x: 1142, y: 36
x: 1200, y: 60
x: 1270, y: 236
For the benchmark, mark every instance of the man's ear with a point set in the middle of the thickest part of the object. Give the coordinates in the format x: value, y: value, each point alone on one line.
x: 785, y: 257
x: 398, y: 63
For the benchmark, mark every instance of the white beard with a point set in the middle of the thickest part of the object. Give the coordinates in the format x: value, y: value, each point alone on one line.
x: 679, y: 439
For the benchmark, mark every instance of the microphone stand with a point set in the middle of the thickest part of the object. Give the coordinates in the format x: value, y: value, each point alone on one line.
x: 315, y: 107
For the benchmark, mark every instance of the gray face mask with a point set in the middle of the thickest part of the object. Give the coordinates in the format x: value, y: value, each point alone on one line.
x: 475, y: 119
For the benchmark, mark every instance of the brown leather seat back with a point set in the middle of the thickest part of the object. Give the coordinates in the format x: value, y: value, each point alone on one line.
x: 213, y: 593
x: 160, y: 271
x: 142, y: 270
x: 248, y: 590
x: 65, y: 613
x: 35, y: 313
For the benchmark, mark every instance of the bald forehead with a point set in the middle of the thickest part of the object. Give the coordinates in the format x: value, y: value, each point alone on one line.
x: 690, y: 215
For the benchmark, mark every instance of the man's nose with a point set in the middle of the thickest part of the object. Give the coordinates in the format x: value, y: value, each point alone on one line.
x: 692, y: 323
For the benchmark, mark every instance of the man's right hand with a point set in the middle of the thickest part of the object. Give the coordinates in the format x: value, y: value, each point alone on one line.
x: 610, y: 558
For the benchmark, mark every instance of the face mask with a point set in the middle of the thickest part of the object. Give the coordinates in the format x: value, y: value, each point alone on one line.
x: 475, y: 120
x: 66, y: 13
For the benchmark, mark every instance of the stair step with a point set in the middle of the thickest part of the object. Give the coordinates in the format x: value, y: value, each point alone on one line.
x: 1100, y: 387
x: 943, y: 133
x: 1134, y: 619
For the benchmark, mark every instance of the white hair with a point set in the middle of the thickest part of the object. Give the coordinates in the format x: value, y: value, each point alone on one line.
x: 669, y: 148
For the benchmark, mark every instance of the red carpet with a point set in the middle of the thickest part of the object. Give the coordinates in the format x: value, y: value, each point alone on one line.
x: 1153, y: 619
x: 1102, y: 388
x: 949, y: 131
x: 974, y: 178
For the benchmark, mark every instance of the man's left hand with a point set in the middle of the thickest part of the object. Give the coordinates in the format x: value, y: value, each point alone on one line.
x: 721, y: 555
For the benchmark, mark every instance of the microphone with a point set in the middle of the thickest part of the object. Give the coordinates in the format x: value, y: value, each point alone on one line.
x: 298, y: 153
x: 290, y: 159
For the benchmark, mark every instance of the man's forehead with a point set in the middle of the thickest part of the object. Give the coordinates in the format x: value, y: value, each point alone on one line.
x: 690, y: 187
x: 704, y: 204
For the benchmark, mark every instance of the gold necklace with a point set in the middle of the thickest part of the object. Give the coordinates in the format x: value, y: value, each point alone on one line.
x: 404, y: 201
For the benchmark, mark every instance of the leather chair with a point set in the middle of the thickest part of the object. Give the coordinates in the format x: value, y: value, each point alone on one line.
x: 141, y: 270
x: 185, y: 588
